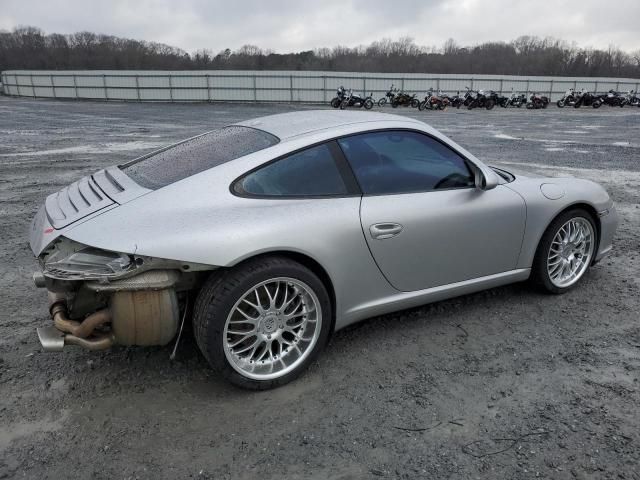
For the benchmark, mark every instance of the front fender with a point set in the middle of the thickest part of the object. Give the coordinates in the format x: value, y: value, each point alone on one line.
x: 561, y: 194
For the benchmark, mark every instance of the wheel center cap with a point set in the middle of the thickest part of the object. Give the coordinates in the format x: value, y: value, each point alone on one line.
x: 269, y: 324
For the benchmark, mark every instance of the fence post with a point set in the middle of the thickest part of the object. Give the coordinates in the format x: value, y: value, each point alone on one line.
x: 137, y: 88
x: 255, y: 92
x: 364, y: 86
x: 402, y: 84
x: 53, y: 87
x: 291, y: 88
x: 104, y: 86
x: 501, y: 85
x: 324, y: 88
x: 75, y: 85
x: 617, y: 86
x: 438, y: 84
x: 527, y: 95
x: 551, y: 90
x: 471, y: 87
x: 33, y: 88
x: 208, y: 78
x: 595, y: 88
x: 170, y: 88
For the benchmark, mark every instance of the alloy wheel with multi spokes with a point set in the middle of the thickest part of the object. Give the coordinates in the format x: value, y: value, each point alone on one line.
x: 571, y: 252
x: 272, y: 328
x: 262, y: 322
x: 566, y: 251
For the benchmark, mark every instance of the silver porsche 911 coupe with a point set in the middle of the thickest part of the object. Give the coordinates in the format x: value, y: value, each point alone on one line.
x: 275, y: 232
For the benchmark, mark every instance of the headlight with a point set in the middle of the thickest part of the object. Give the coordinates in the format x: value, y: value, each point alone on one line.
x: 69, y: 260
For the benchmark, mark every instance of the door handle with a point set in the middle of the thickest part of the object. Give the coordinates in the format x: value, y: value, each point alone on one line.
x: 381, y: 231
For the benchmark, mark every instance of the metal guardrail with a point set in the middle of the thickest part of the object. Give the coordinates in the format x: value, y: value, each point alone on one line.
x: 270, y: 87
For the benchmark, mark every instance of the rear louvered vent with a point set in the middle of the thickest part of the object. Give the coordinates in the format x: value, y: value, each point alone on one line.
x: 78, y: 200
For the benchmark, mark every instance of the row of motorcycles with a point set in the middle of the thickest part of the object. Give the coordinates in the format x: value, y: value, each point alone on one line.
x: 575, y: 99
x: 437, y: 100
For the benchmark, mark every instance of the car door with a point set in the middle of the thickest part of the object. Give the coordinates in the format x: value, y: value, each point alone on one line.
x: 424, y: 220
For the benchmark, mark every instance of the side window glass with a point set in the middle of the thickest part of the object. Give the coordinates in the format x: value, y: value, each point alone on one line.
x: 399, y: 162
x: 310, y: 172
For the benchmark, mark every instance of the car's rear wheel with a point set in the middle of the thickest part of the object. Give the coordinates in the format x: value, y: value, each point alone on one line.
x: 565, y: 251
x: 262, y: 323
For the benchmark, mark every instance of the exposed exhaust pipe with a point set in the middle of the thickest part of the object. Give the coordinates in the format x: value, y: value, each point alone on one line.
x: 72, y: 332
x: 58, y: 311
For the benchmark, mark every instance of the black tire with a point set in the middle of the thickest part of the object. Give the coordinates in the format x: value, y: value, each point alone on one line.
x: 596, y: 104
x: 220, y: 293
x: 343, y: 104
x: 368, y: 104
x: 382, y: 102
x: 415, y: 102
x: 489, y: 104
x: 539, y: 273
x: 394, y: 104
x: 422, y: 105
x: 529, y: 105
x: 560, y: 103
x: 335, y: 102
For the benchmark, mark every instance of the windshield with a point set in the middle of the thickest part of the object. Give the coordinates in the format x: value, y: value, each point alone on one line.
x: 197, y: 155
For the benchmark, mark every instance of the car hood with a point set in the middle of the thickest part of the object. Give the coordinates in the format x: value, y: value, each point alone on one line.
x: 83, y: 199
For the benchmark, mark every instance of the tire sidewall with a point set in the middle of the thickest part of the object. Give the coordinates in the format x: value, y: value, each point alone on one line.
x: 540, y: 274
x: 216, y: 305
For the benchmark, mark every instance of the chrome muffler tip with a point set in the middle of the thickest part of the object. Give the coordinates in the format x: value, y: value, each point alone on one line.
x: 51, y: 339
x: 39, y: 280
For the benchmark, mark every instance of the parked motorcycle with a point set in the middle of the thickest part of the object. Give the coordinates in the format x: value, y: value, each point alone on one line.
x: 614, y: 99
x: 457, y: 100
x: 569, y: 98
x: 434, y: 101
x: 537, y: 100
x: 403, y: 99
x: 346, y: 98
x: 337, y: 100
x: 633, y: 98
x: 482, y: 100
x: 515, y: 100
x: 587, y: 99
x: 468, y: 97
x: 388, y: 97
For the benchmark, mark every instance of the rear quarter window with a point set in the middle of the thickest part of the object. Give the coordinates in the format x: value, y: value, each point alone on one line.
x: 197, y: 155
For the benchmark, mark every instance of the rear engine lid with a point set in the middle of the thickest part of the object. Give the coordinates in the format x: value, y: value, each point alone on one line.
x: 89, y: 195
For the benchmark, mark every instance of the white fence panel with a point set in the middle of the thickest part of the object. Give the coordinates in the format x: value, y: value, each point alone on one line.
x: 275, y: 86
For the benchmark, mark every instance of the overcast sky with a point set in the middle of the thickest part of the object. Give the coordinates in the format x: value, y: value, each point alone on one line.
x: 293, y: 25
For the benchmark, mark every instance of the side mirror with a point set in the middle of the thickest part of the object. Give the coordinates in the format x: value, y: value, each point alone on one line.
x: 486, y: 181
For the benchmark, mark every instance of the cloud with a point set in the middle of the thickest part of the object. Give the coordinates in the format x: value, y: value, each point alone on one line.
x: 294, y: 25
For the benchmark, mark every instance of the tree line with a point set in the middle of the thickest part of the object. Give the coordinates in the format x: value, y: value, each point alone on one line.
x: 31, y: 48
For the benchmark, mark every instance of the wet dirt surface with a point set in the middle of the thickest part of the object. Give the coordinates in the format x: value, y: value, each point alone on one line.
x: 504, y: 384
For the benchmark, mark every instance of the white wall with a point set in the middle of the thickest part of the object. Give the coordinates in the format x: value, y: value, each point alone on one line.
x: 268, y: 86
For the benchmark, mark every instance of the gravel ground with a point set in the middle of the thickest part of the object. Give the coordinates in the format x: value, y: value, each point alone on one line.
x: 504, y: 384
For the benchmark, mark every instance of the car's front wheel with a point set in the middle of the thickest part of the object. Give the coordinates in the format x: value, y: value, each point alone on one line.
x: 263, y: 322
x: 565, y: 251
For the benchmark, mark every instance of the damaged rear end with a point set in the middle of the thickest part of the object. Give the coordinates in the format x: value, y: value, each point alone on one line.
x: 99, y: 298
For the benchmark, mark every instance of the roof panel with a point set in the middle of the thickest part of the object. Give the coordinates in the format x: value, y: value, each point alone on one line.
x: 293, y: 124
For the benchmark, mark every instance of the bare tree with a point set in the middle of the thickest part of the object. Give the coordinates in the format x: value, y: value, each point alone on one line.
x: 30, y: 48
